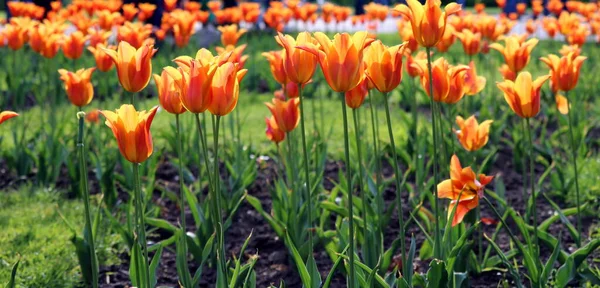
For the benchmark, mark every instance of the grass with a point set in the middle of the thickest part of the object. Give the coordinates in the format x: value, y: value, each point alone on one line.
x: 33, y: 231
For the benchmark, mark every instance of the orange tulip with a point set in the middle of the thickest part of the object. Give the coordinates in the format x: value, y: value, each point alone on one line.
x: 131, y: 128
x: 568, y: 49
x: 530, y: 26
x: 225, y: 88
x: 129, y: 11
x: 523, y: 95
x: 78, y: 85
x: 507, y: 74
x: 5, y: 115
x: 15, y: 36
x: 562, y: 104
x: 463, y: 188
x: 299, y: 65
x: 501, y: 3
x: 73, y: 45
x: 473, y: 83
x: 564, y: 70
x: 406, y: 33
x: 472, y: 135
x: 170, y: 5
x: 134, y: 68
x: 516, y: 54
x: 146, y: 11
x: 356, y: 96
x: 428, y: 21
x: 413, y: 70
x: 275, y: 59
x: 578, y: 36
x: 341, y: 59
x: 230, y: 34
x: 103, y: 60
x: 98, y: 36
x: 521, y: 7
x: 93, y: 116
x: 448, y: 81
x: 168, y: 93
x: 236, y: 54
x: 384, y: 65
x: 50, y: 46
x: 447, y: 40
x: 471, y: 42
x: 273, y: 132
x: 286, y: 113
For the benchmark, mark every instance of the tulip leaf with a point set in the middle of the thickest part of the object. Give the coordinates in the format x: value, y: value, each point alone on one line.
x: 13, y: 275
x: 568, y: 271
x: 437, y: 276
x: 303, y: 271
x: 545, y: 276
x: 274, y: 223
x: 334, y: 268
x: 511, y: 269
x: 154, y: 266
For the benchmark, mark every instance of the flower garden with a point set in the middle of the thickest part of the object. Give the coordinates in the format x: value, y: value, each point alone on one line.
x: 217, y: 144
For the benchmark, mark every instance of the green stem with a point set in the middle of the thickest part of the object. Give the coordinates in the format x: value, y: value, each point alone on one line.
x: 437, y: 244
x: 182, y: 198
x: 533, y: 194
x: 361, y: 173
x: 139, y: 206
x: 217, y: 197
x: 378, y: 180
x: 398, y: 184
x: 349, y: 188
x: 523, y: 164
x: 512, y: 236
x: 204, y: 151
x: 574, y: 151
x: 89, y: 235
x: 306, y: 172
x: 132, y: 95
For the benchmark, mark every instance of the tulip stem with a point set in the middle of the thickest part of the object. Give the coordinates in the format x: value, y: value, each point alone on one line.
x: 182, y: 199
x: 349, y: 188
x: 533, y: 194
x: 142, y: 222
x: 88, y: 235
x: 361, y: 173
x: 378, y: 181
x: 306, y: 172
x: 524, y: 167
x: 398, y: 184
x: 204, y: 151
x: 217, y: 197
x: 437, y: 247
x: 510, y: 233
x: 574, y: 151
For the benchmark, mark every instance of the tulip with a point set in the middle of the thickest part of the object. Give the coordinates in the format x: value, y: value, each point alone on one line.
x: 428, y: 21
x: 5, y: 115
x: 464, y: 189
x: 562, y: 104
x: 473, y: 83
x: 230, y: 34
x: 384, y: 65
x: 507, y: 74
x: 78, y: 85
x: 235, y: 54
x: 516, y: 55
x: 530, y: 26
x: 472, y: 135
x: 129, y: 11
x: 16, y: 36
x: 93, y: 116
x: 98, y: 36
x: 168, y: 93
x: 131, y: 128
x: 448, y: 81
x: 134, y: 67
x: 567, y: 49
x: 73, y: 45
x: 50, y: 46
x: 299, y: 64
x: 447, y: 40
x: 170, y: 5
x: 578, y: 36
x: 146, y: 11
x: 523, y: 95
x: 103, y: 61
x: 406, y: 33
x: 273, y: 132
x: 225, y: 88
x: 564, y: 70
x: 341, y: 59
x: 356, y: 97
x: 275, y: 59
x: 471, y: 42
x: 285, y: 113
x: 413, y: 70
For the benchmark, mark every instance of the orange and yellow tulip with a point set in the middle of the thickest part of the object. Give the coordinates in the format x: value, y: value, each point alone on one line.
x: 356, y: 97
x: 523, y: 95
x: 471, y: 42
x: 50, y: 46
x: 516, y: 54
x: 428, y: 21
x: 568, y: 49
x: 5, y: 115
x: 472, y: 135
x: 15, y: 36
x: 146, y: 11
x: 170, y: 5
x: 447, y: 40
x: 507, y: 74
x: 464, y: 189
x: 134, y: 67
x: 131, y: 128
x: 273, y: 132
x: 73, y: 45
x: 473, y: 83
x: 225, y: 88
x: 564, y: 70
x: 384, y: 65
x: 562, y: 104
x: 93, y: 116
x: 103, y: 60
x: 299, y: 65
x: 341, y: 59
x: 129, y: 11
x: 286, y: 113
x: 168, y: 93
x: 411, y: 63
x: 275, y: 59
x: 230, y: 34
x: 78, y: 85
x: 448, y: 81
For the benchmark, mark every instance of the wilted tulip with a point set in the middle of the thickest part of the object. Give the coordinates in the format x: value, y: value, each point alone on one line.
x: 523, y: 95
x: 134, y: 67
x: 472, y: 135
x: 78, y: 85
x: 131, y: 128
x: 464, y: 189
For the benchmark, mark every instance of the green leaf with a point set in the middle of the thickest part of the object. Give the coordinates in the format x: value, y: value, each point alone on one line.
x: 302, y: 270
x: 568, y: 271
x: 254, y: 202
x: 311, y: 265
x: 511, y: 269
x: 154, y: 266
x: 334, y: 268
x: 545, y: 276
x: 437, y: 276
x: 13, y: 275
x: 161, y: 223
